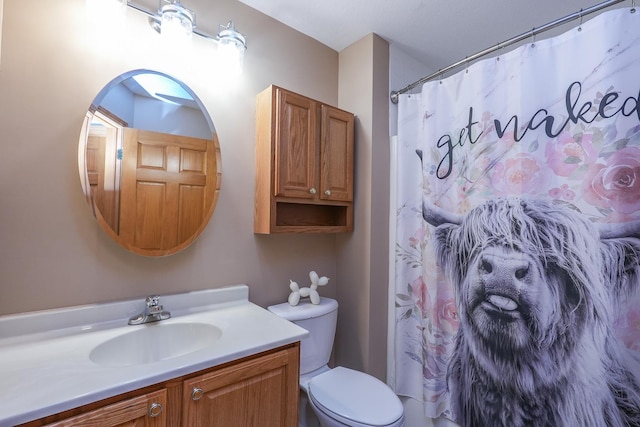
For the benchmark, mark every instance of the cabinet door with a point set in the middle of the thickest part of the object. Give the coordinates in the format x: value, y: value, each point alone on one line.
x: 148, y: 410
x: 256, y: 393
x: 295, y: 148
x: 336, y: 154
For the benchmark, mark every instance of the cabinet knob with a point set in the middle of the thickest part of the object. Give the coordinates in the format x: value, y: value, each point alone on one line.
x: 197, y: 393
x: 312, y: 190
x: 155, y: 410
x: 327, y: 192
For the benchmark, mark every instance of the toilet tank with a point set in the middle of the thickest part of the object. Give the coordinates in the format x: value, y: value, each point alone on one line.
x: 320, y: 320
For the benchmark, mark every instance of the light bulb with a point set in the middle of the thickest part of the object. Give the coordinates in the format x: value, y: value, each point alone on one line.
x: 231, y: 47
x: 176, y: 22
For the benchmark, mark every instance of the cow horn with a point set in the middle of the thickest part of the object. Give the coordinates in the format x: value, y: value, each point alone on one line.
x: 625, y: 229
x: 437, y: 216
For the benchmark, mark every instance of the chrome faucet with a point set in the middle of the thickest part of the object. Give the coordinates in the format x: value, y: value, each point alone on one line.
x: 153, y: 313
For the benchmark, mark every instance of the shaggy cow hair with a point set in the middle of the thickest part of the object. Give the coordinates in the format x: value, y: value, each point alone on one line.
x: 536, y: 292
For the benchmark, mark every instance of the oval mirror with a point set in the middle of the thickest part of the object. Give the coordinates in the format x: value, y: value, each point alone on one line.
x: 149, y: 163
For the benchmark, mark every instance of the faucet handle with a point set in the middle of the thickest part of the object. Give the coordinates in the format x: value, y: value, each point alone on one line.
x: 155, y: 308
x: 153, y: 301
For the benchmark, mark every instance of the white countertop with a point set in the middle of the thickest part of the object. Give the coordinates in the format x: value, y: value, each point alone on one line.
x: 44, y: 356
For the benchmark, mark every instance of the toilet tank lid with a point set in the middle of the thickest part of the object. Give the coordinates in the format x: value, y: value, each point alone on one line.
x: 304, y: 310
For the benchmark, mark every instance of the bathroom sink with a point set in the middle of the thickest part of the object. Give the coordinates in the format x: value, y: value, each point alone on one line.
x: 154, y: 342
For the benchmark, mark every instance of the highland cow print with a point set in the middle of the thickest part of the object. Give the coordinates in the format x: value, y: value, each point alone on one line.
x: 536, y: 289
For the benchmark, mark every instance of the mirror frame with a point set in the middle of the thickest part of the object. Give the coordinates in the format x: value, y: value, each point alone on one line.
x: 83, y: 174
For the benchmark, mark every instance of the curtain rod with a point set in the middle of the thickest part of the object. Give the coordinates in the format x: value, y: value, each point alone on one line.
x: 396, y: 93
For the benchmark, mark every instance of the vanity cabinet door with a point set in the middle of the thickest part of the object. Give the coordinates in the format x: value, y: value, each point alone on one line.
x: 257, y: 392
x: 149, y: 410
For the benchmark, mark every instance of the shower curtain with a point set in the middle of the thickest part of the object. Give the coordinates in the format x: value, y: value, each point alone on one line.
x: 516, y: 247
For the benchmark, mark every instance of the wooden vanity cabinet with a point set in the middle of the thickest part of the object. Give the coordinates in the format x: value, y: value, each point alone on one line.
x: 304, y: 165
x: 256, y: 391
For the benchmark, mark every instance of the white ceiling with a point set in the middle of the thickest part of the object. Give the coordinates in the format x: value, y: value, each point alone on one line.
x: 435, y: 32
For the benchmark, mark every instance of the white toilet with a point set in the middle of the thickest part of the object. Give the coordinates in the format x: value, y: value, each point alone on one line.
x: 338, y: 396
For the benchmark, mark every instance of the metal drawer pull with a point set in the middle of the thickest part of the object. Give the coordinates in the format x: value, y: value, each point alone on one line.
x: 327, y: 192
x: 155, y: 410
x: 197, y: 393
x: 312, y: 191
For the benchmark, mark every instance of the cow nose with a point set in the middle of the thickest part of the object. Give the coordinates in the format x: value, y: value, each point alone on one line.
x: 501, y: 270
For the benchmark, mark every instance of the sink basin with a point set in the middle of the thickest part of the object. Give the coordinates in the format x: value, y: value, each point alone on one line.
x: 154, y: 342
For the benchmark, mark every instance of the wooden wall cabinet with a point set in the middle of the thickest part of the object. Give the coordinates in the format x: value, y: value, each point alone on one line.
x: 256, y: 391
x: 304, y: 165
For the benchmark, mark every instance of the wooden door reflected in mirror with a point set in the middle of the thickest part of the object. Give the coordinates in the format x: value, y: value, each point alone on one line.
x: 149, y: 163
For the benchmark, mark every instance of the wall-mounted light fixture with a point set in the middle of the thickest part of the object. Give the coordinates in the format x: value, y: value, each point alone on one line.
x: 175, y: 21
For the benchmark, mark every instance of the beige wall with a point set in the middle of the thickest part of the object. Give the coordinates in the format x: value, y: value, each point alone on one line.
x: 363, y: 255
x: 52, y: 252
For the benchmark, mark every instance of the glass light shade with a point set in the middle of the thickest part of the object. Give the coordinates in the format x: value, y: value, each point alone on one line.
x: 231, y: 47
x: 176, y: 22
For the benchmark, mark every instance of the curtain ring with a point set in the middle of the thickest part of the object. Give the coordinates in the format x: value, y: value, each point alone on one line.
x: 533, y: 36
x: 580, y: 26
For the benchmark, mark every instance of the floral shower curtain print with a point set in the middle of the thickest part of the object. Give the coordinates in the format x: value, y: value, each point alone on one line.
x: 517, y: 241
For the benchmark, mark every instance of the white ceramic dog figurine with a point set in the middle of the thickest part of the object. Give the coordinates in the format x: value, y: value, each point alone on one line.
x: 297, y: 292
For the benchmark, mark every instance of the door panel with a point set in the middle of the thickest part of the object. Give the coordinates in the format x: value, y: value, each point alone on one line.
x: 165, y: 192
x: 102, y: 173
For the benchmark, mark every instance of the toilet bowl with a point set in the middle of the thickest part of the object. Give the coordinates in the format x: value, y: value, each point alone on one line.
x: 338, y: 396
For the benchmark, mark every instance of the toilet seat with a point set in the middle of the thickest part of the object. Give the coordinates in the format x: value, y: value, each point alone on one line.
x: 355, y: 398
